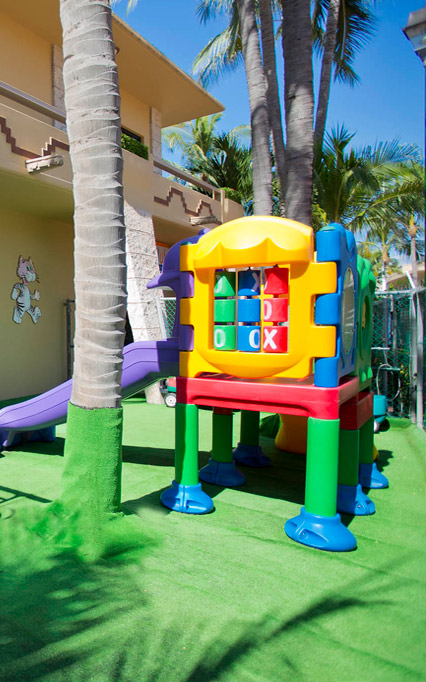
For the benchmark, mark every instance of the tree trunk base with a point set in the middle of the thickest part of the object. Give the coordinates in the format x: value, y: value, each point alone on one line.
x: 153, y: 395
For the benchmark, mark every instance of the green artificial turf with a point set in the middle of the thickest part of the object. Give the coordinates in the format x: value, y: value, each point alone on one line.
x: 226, y: 596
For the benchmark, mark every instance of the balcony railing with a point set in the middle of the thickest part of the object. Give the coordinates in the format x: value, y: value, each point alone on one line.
x: 214, y: 192
x: 176, y: 172
x: 224, y: 209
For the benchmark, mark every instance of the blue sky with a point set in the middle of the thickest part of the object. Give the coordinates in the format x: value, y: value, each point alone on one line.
x: 388, y: 103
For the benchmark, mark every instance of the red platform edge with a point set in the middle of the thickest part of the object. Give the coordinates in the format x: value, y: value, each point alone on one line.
x: 293, y: 397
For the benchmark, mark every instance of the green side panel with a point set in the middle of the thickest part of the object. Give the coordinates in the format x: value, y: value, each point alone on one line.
x: 364, y: 318
x: 348, y: 457
x: 224, y: 337
x: 249, y: 430
x: 224, y: 310
x: 92, y: 474
x: 225, y: 284
x: 222, y: 437
x: 186, y: 454
x: 366, y: 442
x: 322, y: 461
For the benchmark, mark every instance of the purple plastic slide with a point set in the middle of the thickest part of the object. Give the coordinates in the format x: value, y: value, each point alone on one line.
x: 144, y: 363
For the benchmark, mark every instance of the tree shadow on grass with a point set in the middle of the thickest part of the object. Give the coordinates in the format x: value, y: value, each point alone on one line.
x: 156, y: 456
x: 150, y: 501
x: 64, y: 621
x: 53, y: 449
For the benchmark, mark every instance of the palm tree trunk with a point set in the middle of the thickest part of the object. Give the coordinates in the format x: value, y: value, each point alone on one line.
x: 326, y: 68
x: 93, y: 446
x: 272, y: 93
x: 299, y: 109
x: 262, y: 172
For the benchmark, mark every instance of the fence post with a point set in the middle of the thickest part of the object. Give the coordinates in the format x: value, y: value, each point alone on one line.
x: 413, y: 357
x: 420, y: 336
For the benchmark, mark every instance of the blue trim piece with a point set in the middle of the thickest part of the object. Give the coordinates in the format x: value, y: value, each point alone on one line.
x: 320, y: 532
x: 187, y: 499
x: 351, y: 500
x: 222, y: 473
x: 338, y: 245
x: 371, y: 477
x: 250, y: 456
x: 327, y: 309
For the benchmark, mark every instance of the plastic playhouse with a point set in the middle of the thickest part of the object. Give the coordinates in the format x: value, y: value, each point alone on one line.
x: 265, y: 323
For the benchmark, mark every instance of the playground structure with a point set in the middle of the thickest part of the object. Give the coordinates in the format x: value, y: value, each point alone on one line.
x: 267, y: 325
x: 263, y: 323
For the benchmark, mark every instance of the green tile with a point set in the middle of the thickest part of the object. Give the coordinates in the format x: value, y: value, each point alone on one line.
x: 225, y: 337
x: 224, y: 310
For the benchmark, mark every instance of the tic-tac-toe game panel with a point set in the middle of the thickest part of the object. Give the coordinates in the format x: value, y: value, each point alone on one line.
x: 251, y: 310
x: 256, y: 283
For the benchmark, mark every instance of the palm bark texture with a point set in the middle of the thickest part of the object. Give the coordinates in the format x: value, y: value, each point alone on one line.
x: 272, y: 91
x: 299, y: 109
x: 92, y: 102
x: 262, y: 173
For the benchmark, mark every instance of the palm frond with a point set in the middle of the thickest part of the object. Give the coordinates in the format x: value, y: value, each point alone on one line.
x: 209, y: 9
x: 357, y: 24
x: 221, y: 56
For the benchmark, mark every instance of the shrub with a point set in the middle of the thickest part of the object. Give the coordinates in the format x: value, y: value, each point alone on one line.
x: 134, y: 146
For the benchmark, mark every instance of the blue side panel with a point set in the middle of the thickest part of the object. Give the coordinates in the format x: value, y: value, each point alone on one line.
x: 336, y: 244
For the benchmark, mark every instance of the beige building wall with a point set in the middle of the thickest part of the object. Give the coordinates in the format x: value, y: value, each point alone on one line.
x: 25, y: 60
x: 33, y: 356
x: 135, y: 115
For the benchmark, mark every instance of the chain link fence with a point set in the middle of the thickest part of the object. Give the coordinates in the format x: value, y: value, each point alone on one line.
x: 397, y: 355
x: 168, y: 311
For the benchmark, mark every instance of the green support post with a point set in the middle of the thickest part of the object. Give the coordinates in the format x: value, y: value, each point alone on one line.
x: 322, y: 461
x: 186, y: 454
x: 222, y: 436
x: 366, y: 441
x: 221, y: 469
x: 185, y: 495
x: 249, y: 430
x: 350, y: 497
x: 248, y: 451
x: 369, y: 475
x: 348, y: 457
x: 318, y: 524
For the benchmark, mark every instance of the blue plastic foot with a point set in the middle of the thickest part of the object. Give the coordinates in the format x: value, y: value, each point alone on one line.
x: 351, y: 500
x: 222, y: 473
x: 371, y: 477
x: 250, y: 456
x: 187, y: 499
x: 320, y: 532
